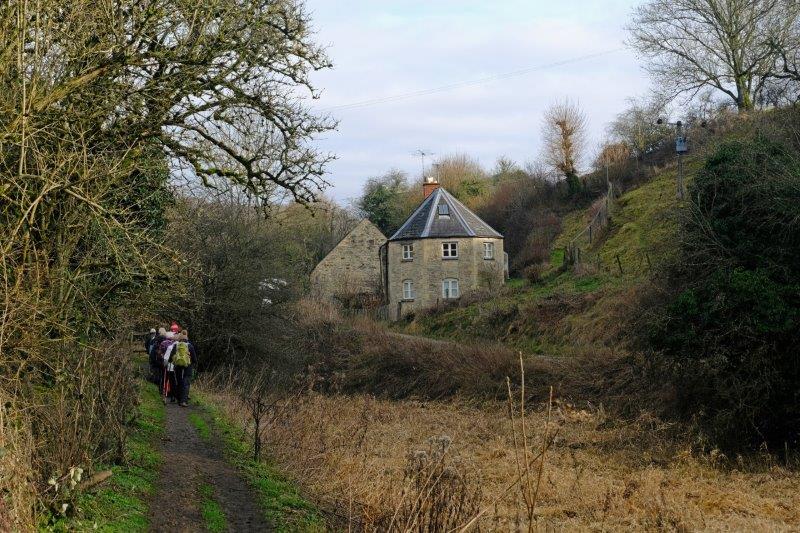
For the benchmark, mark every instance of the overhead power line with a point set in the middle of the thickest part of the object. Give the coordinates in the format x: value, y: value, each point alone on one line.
x: 468, y: 83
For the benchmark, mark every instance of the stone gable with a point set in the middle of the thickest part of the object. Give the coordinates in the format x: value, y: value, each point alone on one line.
x: 353, y: 266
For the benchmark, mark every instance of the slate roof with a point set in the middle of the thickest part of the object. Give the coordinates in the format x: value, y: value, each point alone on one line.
x: 427, y: 223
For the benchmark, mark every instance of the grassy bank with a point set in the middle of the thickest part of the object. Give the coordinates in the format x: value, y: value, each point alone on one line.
x: 278, y: 495
x: 120, y: 504
x: 569, y: 312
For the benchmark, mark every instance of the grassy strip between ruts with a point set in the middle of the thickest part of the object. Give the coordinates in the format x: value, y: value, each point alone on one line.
x: 200, y: 425
x: 281, y: 501
x: 213, y: 515
x: 120, y: 505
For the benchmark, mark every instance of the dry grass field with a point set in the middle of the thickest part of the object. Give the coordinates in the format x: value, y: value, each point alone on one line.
x: 359, y: 458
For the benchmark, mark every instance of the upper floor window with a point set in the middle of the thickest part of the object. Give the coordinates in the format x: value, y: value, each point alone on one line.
x: 443, y: 210
x: 488, y: 250
x: 408, y: 290
x: 449, y: 250
x: 450, y: 289
x: 408, y: 252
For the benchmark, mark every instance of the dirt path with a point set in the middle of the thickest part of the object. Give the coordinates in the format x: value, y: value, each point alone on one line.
x: 188, y: 462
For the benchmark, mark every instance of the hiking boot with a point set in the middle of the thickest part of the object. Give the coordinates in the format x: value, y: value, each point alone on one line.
x: 183, y: 404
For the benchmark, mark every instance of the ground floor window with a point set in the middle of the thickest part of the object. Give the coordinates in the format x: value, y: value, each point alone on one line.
x: 408, y: 290
x: 450, y: 289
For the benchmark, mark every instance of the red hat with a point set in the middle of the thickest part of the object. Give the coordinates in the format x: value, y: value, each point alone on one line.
x: 174, y: 328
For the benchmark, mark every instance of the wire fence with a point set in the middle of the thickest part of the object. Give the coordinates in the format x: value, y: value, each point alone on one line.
x: 582, y: 254
x: 576, y: 251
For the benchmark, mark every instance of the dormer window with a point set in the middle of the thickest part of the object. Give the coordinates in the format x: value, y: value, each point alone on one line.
x: 443, y: 211
x: 408, y: 252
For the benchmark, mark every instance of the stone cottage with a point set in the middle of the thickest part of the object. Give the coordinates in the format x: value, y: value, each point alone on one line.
x: 442, y: 251
x: 353, y: 267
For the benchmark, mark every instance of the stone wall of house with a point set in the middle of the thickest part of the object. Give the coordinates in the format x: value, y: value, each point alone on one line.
x: 353, y: 266
x: 428, y: 269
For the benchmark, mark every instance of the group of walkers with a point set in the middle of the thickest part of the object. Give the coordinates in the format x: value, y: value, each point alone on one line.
x: 172, y: 359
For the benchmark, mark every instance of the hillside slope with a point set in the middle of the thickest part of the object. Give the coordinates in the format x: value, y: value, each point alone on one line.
x: 570, y: 310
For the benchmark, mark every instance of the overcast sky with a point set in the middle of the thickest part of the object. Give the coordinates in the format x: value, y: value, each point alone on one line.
x: 384, y: 48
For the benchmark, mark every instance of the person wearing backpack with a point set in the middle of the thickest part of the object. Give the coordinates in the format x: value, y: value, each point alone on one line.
x: 184, y: 358
x: 168, y: 386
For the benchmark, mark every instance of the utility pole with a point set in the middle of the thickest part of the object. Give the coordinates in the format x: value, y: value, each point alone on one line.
x: 681, y: 147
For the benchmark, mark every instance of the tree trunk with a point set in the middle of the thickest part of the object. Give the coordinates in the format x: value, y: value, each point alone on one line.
x: 744, y: 100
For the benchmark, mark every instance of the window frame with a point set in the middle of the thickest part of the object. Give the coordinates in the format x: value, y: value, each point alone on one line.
x: 488, y: 251
x: 407, y: 247
x: 447, y: 289
x: 410, y: 295
x: 452, y: 247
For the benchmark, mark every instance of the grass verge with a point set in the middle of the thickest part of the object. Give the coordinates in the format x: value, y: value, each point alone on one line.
x: 213, y: 515
x: 283, y: 505
x: 120, y: 505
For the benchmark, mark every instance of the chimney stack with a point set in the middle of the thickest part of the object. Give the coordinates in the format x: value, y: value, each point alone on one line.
x: 429, y: 185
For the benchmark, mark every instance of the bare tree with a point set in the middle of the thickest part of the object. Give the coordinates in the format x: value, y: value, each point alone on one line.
x: 724, y: 44
x: 637, y: 128
x: 218, y: 86
x: 464, y: 176
x: 787, y: 47
x: 564, y: 138
x: 612, y: 153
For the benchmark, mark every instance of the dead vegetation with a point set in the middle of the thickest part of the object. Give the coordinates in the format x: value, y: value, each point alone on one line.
x: 15, y: 466
x: 69, y: 415
x: 356, y: 456
x: 424, y: 452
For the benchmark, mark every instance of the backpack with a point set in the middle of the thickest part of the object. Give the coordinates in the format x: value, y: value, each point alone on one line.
x: 180, y: 354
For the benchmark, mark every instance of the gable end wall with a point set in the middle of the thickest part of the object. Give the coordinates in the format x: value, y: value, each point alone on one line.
x: 353, y: 266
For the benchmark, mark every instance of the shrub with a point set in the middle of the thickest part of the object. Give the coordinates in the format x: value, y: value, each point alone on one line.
x: 533, y: 273
x: 729, y: 332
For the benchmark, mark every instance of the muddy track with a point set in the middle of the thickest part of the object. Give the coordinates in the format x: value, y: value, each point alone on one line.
x: 188, y: 462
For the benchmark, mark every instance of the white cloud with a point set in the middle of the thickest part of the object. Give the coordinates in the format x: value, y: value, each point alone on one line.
x: 383, y: 48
